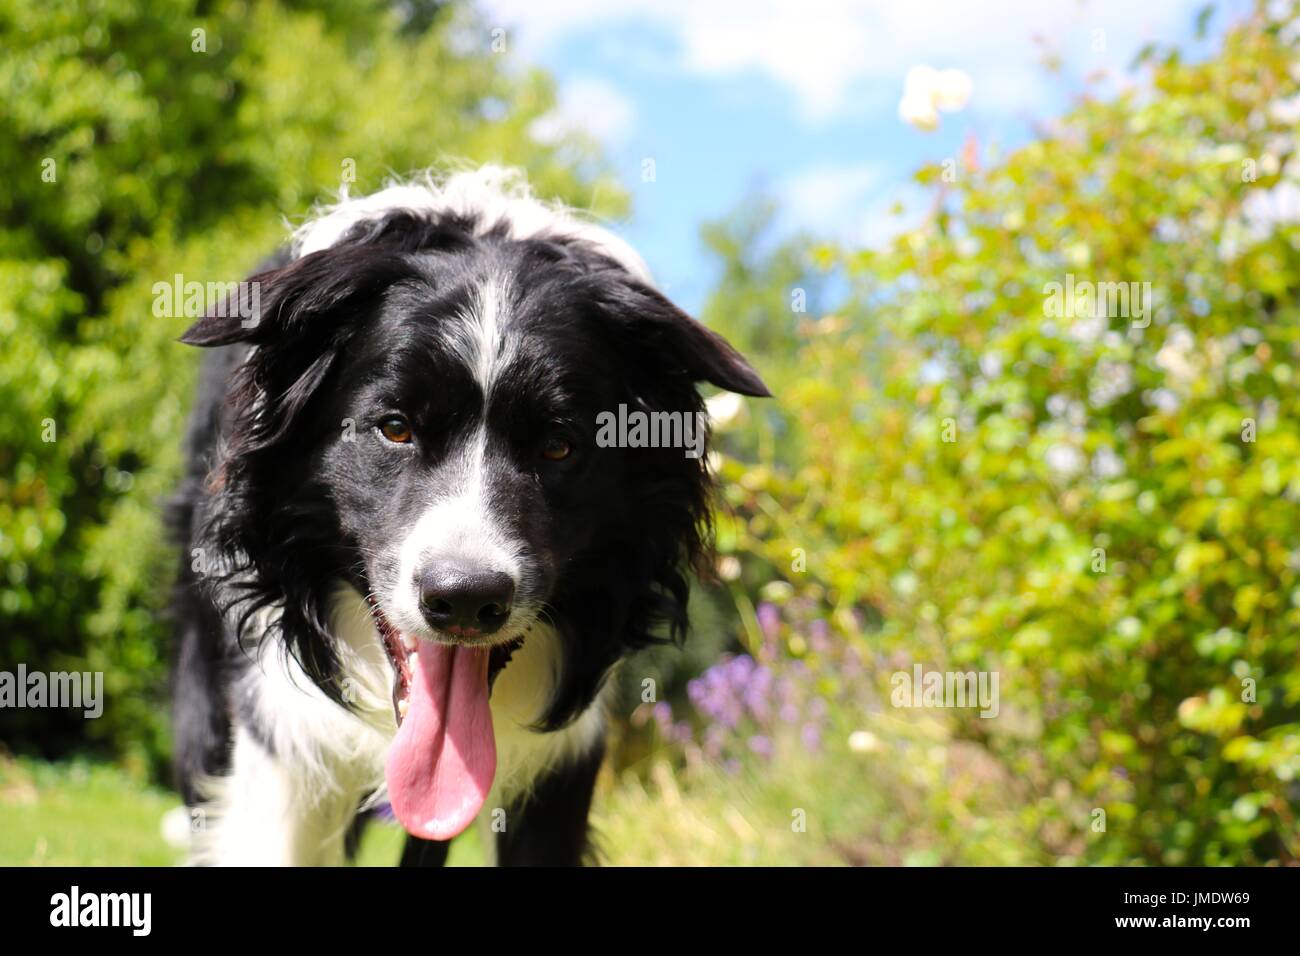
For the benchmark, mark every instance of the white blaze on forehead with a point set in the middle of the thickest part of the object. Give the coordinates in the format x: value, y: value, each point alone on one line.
x: 461, y: 526
x: 478, y: 336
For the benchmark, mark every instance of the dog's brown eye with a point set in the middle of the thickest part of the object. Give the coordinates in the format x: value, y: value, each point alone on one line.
x: 396, y: 429
x: 557, y: 448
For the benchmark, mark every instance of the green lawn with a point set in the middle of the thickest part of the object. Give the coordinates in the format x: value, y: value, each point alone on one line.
x: 911, y: 796
x: 79, y: 813
x: 88, y: 814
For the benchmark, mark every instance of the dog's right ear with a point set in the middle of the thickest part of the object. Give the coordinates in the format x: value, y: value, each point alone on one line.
x: 299, y: 316
x: 278, y: 304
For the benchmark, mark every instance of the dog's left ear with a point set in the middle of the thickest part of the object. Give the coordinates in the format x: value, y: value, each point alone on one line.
x: 298, y: 316
x: 310, y: 294
x: 686, y: 345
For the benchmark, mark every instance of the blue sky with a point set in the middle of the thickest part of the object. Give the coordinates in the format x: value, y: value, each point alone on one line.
x: 800, y: 99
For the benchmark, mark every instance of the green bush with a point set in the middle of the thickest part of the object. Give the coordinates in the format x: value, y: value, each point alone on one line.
x: 1102, y: 511
x: 134, y: 147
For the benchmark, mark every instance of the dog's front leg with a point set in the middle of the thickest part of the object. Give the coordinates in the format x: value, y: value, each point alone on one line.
x: 548, y: 825
x: 271, y: 812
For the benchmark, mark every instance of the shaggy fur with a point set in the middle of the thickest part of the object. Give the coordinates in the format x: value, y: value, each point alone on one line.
x: 493, y: 323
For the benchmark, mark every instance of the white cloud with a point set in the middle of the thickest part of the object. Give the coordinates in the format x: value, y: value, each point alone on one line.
x: 816, y: 48
x: 832, y: 53
x: 818, y: 196
x: 845, y: 202
x: 588, y: 105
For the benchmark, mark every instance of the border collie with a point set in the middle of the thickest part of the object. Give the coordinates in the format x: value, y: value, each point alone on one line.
x: 409, y: 567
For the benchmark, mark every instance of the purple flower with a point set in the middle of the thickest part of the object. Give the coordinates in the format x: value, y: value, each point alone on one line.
x: 738, y: 669
x: 785, y: 690
x: 731, y: 715
x: 758, y: 707
x: 769, y: 620
x: 708, y: 697
x: 663, y: 714
x: 819, y: 639
x: 756, y: 694
x: 811, y: 736
x: 715, y: 739
x: 761, y: 745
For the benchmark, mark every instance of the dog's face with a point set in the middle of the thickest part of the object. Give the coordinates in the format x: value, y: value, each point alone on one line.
x: 459, y: 445
x: 419, y: 418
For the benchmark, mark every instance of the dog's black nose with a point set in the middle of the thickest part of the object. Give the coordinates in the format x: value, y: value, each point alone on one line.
x: 465, y: 600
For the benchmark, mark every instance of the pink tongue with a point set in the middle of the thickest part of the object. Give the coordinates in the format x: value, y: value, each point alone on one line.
x: 440, y: 767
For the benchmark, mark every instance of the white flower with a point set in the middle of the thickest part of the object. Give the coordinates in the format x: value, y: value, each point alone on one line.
x: 918, y: 111
x: 920, y: 81
x: 724, y: 407
x: 1107, y: 464
x: 1065, y: 460
x: 1176, y: 356
x: 1286, y: 112
x: 952, y: 89
x: 863, y: 742
x: 927, y: 90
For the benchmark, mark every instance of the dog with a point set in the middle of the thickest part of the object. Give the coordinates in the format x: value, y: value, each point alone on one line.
x: 409, y: 568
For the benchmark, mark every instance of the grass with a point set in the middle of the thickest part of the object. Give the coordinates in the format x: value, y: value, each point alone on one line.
x: 80, y: 813
x: 913, y: 797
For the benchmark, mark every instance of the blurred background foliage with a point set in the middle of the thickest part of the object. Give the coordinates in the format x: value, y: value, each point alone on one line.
x: 1102, y: 512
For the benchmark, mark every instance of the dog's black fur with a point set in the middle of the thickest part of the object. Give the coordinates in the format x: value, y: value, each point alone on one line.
x: 276, y: 508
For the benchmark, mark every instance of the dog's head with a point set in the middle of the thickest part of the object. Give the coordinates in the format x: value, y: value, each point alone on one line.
x: 437, y: 411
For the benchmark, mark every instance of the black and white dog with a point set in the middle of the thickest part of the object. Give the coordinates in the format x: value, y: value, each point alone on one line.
x: 410, y: 567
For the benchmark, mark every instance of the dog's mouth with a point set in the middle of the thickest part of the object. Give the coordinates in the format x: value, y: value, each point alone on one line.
x: 441, y: 764
x: 401, y: 647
